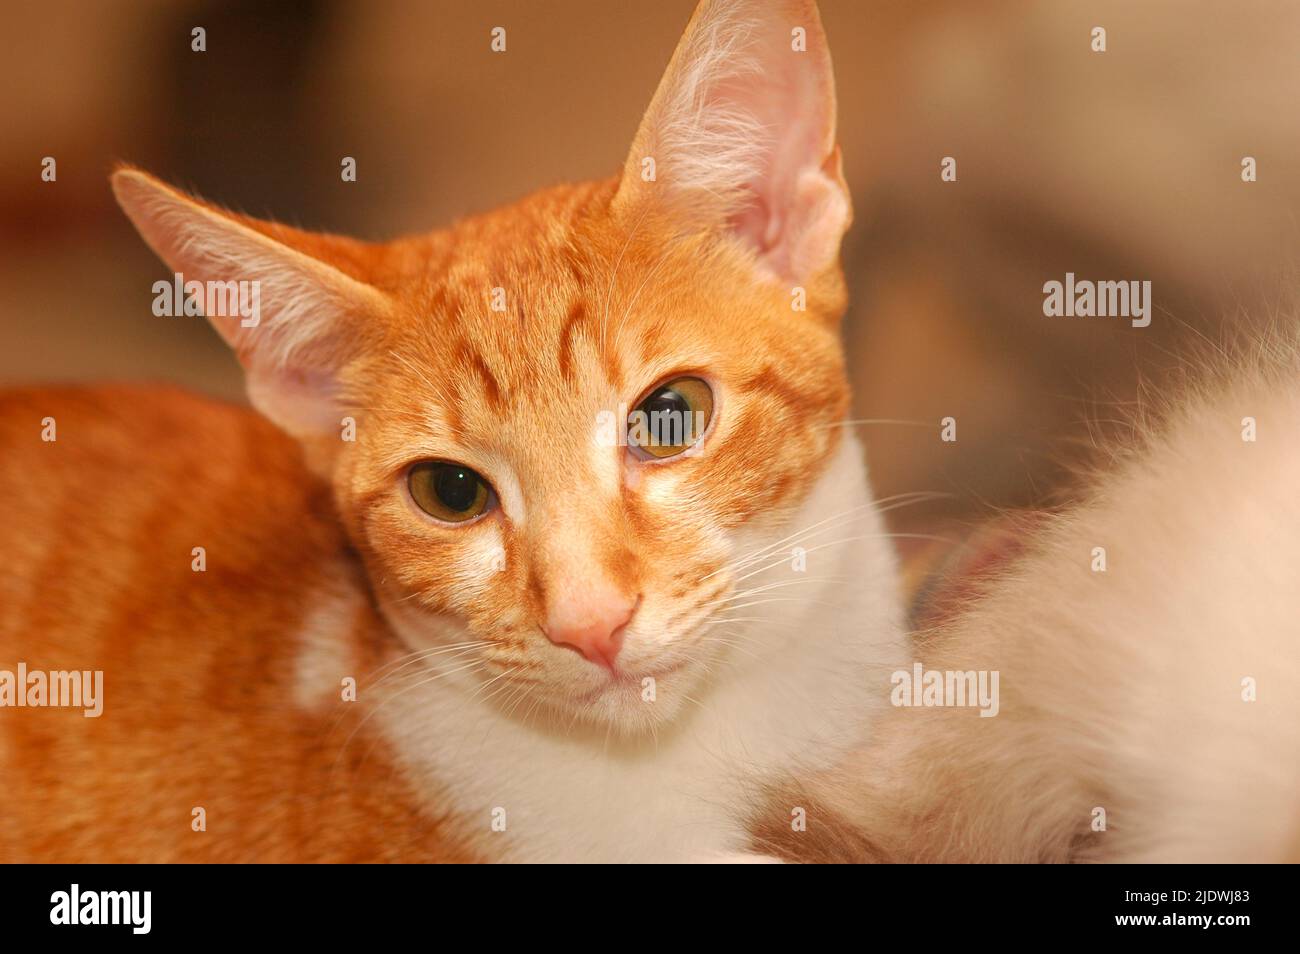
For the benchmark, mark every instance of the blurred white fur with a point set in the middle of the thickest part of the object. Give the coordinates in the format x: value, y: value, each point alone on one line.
x: 1124, y: 692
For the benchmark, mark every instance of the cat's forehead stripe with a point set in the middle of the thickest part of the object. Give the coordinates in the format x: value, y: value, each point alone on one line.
x: 472, y: 359
x: 577, y: 315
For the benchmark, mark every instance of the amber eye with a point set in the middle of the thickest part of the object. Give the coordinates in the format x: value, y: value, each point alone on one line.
x: 671, y: 418
x: 448, y: 492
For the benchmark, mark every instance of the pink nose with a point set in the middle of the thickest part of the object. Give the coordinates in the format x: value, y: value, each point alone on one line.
x: 593, y: 624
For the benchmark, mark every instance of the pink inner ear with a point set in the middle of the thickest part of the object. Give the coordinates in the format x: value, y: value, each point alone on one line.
x: 795, y: 209
x: 742, y: 130
x: 302, y: 402
x: 792, y: 210
x: 754, y: 223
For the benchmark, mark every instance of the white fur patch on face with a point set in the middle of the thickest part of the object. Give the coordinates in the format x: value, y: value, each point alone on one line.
x: 604, y: 463
x: 482, y: 557
x: 661, y: 489
x: 509, y: 494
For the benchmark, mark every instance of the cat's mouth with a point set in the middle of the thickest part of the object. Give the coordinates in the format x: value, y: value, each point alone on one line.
x: 643, y: 681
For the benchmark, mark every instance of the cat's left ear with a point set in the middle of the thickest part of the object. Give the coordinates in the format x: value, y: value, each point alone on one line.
x: 740, y: 137
x: 294, y: 305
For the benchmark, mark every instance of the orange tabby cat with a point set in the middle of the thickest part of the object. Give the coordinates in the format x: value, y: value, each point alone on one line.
x: 547, y: 621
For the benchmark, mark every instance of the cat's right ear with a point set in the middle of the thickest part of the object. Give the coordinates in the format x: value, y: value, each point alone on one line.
x: 739, y: 139
x: 301, y: 318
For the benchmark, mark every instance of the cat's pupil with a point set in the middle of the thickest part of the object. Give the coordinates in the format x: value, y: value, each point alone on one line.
x: 456, y: 487
x: 666, y: 401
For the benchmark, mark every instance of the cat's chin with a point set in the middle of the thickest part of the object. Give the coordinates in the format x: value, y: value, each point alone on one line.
x: 628, y: 705
x: 624, y: 711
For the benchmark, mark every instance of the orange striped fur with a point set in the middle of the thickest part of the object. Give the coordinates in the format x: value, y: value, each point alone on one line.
x: 203, y: 691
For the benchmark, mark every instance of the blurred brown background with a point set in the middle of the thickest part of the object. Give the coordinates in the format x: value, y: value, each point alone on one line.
x: 1115, y: 166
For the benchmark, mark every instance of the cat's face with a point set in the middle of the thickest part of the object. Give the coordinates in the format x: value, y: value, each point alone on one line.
x: 505, y: 513
x: 498, y: 492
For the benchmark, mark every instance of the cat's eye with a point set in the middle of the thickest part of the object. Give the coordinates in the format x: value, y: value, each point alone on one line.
x: 448, y: 492
x: 671, y: 418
